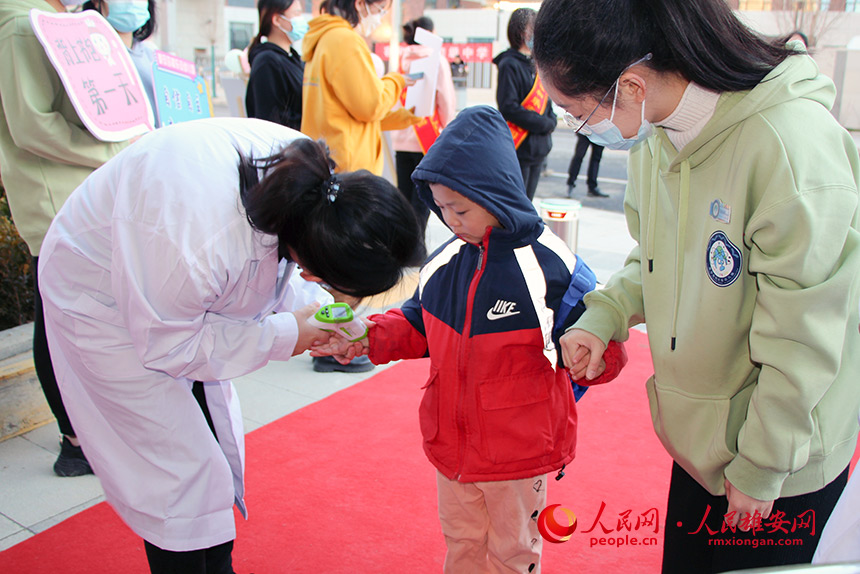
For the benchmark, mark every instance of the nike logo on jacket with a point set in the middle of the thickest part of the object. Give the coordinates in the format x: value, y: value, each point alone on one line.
x: 501, y: 310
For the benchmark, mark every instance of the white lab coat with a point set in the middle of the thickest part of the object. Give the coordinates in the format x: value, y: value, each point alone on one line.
x: 152, y: 278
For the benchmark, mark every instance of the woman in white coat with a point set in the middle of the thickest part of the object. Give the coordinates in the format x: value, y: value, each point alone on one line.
x: 169, y: 271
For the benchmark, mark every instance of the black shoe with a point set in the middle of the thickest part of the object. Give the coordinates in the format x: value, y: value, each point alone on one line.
x: 358, y: 365
x: 71, y: 461
x: 570, y: 190
x: 595, y: 192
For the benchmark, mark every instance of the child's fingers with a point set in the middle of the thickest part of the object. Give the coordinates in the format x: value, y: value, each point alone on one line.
x: 594, y: 363
x: 581, y: 353
x: 578, y: 373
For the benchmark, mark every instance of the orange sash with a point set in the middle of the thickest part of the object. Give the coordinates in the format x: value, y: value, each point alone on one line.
x: 536, y: 101
x: 428, y: 129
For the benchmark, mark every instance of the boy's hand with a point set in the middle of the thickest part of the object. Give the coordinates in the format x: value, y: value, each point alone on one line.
x: 342, y: 350
x: 308, y: 334
x: 582, y: 351
x: 580, y: 372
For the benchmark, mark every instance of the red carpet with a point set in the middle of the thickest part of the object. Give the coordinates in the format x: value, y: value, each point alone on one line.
x: 342, y: 486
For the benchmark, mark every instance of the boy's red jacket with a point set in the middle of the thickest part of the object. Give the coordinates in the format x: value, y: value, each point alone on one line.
x: 497, y: 405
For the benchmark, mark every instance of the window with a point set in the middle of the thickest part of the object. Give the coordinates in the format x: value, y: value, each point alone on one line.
x: 241, y: 34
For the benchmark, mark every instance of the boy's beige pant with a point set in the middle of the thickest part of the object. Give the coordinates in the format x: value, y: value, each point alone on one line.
x: 491, y: 527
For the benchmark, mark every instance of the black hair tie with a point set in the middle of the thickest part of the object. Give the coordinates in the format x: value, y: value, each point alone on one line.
x: 331, y: 188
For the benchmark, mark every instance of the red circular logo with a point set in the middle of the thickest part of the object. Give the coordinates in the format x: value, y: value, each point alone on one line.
x: 551, y: 529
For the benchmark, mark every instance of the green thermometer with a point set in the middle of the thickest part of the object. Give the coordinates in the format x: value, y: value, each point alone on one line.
x: 339, y: 318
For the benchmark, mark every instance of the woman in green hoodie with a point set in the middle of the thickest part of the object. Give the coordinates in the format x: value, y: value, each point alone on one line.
x: 45, y: 153
x: 743, y: 199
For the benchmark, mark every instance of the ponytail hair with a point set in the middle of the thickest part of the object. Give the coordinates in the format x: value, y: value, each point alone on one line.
x: 267, y: 10
x: 582, y: 46
x: 353, y: 230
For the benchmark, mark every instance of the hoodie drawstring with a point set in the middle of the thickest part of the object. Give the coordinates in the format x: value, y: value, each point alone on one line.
x: 652, y: 204
x: 680, y: 243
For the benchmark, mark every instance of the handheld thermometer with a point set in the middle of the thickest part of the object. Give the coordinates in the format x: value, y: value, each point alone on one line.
x: 339, y: 318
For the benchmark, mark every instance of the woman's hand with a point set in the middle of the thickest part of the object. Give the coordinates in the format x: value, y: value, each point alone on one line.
x: 743, y: 508
x: 582, y: 354
x: 308, y: 334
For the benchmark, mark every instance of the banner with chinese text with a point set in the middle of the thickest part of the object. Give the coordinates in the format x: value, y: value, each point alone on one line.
x: 467, y: 52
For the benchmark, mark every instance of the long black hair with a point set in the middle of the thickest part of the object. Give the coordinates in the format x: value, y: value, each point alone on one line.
x: 582, y: 46
x: 267, y: 10
x: 518, y: 26
x: 353, y: 230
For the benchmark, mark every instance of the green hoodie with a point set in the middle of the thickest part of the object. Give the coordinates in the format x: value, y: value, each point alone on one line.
x: 45, y: 150
x: 761, y: 300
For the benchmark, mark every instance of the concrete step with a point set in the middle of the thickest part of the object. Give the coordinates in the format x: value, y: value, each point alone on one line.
x: 22, y: 404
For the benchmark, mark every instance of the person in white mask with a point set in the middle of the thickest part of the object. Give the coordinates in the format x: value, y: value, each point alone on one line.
x: 275, y: 86
x: 45, y: 152
x: 743, y: 201
x: 345, y: 103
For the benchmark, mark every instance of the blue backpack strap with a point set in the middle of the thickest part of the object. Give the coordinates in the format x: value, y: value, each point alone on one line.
x: 582, y: 280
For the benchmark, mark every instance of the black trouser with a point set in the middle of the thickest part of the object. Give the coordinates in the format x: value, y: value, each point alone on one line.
x: 214, y: 560
x: 531, y: 175
x: 406, y: 162
x: 696, y: 540
x: 582, y: 145
x: 42, y: 360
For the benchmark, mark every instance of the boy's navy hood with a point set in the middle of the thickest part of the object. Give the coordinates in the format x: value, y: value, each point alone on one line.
x: 475, y: 156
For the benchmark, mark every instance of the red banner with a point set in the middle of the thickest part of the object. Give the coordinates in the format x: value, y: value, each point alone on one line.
x: 468, y: 52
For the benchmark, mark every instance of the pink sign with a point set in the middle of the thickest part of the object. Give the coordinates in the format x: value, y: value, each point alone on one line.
x: 175, y: 64
x: 97, y: 72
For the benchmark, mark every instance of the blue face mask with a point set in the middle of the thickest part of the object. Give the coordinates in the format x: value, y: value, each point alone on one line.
x: 127, y: 16
x: 300, y: 28
x: 605, y: 133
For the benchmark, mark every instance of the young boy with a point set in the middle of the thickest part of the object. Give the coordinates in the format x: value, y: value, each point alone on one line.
x: 498, y: 412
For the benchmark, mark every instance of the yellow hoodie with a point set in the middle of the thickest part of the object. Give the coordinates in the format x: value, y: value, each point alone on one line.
x: 343, y: 100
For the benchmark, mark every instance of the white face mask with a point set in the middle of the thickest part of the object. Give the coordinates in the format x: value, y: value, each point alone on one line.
x: 300, y: 28
x: 605, y: 133
x: 369, y: 22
